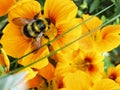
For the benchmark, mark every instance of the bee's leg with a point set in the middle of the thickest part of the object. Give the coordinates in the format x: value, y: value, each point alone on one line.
x: 36, y: 16
x: 46, y: 36
x: 53, y: 62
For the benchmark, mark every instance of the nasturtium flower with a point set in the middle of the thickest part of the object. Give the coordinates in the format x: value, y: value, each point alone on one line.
x: 77, y: 80
x: 103, y: 39
x: 18, y: 44
x: 114, y: 73
x: 62, y: 19
x: 5, y: 6
x: 89, y: 62
x: 108, y: 38
x: 91, y: 23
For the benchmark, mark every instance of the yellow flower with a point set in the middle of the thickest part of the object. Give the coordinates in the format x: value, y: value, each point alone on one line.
x: 114, y: 73
x: 77, y: 80
x: 89, y: 62
x: 88, y: 42
x: 103, y: 39
x: 90, y: 24
x: 17, y: 45
x: 108, y: 38
x: 4, y: 61
x: 5, y: 6
x: 106, y: 84
x: 62, y: 19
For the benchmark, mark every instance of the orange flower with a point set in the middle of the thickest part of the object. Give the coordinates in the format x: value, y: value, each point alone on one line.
x: 5, y: 6
x: 91, y: 24
x: 62, y: 19
x: 18, y: 44
x: 74, y: 81
x: 104, y: 39
x: 108, y: 38
x: 47, y: 72
x: 35, y: 82
x: 88, y: 42
x: 114, y: 73
x: 89, y: 62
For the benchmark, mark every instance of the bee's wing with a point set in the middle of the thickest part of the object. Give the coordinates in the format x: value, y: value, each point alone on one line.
x: 37, y: 42
x: 21, y: 21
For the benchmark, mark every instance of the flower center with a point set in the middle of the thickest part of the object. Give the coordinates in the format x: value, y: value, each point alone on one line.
x: 113, y: 76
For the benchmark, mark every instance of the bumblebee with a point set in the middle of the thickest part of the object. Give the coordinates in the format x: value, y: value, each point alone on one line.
x: 33, y: 28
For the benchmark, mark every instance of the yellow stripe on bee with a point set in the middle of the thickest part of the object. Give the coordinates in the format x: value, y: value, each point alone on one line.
x: 31, y: 32
x: 36, y: 27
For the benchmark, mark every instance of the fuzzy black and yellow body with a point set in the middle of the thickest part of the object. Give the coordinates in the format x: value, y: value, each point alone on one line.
x: 33, y: 28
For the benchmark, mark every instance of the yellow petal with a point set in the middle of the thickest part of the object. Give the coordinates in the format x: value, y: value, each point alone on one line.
x: 106, y: 84
x: 30, y: 74
x: 5, y: 6
x: 110, y: 38
x: 13, y: 41
x: 76, y: 81
x: 47, y: 72
x: 92, y: 23
x: 25, y: 9
x: 72, y: 35
x: 34, y: 57
x: 60, y: 10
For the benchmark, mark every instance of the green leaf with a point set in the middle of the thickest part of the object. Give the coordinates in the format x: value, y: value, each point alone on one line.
x: 41, y: 3
x: 94, y: 6
x: 2, y: 72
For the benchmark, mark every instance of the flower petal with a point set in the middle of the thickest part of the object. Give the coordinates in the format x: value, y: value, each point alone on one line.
x: 5, y: 6
x: 106, y: 84
x: 25, y: 9
x: 92, y: 23
x: 76, y: 81
x: 33, y: 57
x: 47, y: 72
x: 110, y: 38
x: 60, y: 10
x: 68, y: 37
x: 13, y: 41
